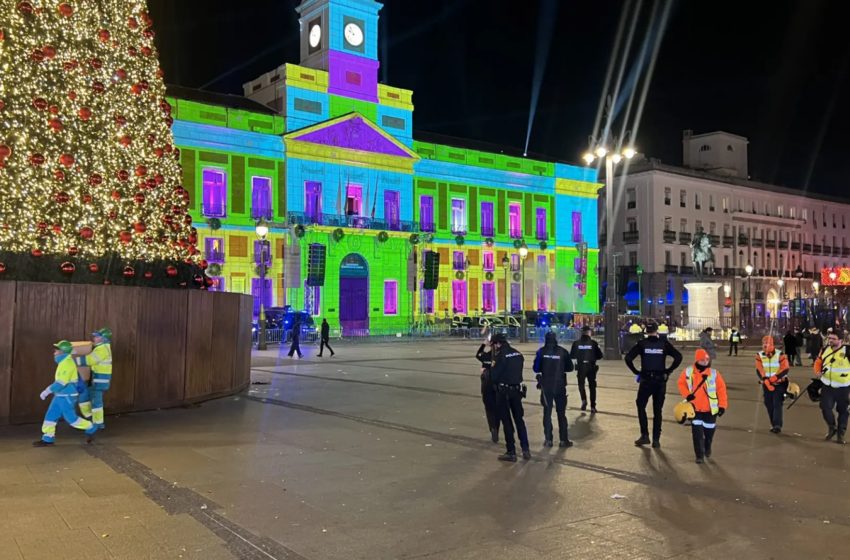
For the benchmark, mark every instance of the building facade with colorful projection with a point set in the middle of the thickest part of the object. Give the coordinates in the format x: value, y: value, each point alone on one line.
x: 356, y: 201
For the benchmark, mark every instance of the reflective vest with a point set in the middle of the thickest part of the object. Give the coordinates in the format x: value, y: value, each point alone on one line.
x: 662, y: 329
x: 100, y: 361
x: 65, y: 384
x: 770, y: 364
x: 736, y: 337
x: 635, y: 328
x: 710, y: 387
x: 836, y: 367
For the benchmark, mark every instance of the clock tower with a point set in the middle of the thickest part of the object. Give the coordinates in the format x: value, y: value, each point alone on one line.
x: 341, y: 37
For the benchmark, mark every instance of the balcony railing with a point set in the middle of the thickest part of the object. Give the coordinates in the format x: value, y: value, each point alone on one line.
x: 213, y: 210
x: 427, y: 227
x: 743, y: 241
x: 214, y: 256
x: 669, y: 236
x: 630, y: 237
x: 264, y: 213
x: 354, y: 222
x: 714, y: 239
x: 542, y: 236
x: 807, y: 247
x: 671, y: 268
x: 783, y: 244
x: 770, y: 243
x: 845, y: 252
x: 757, y: 242
x: 684, y: 238
x: 458, y: 230
x: 516, y: 233
x: 686, y: 269
x: 487, y: 231
x: 816, y: 249
x: 827, y: 250
x: 795, y: 245
x: 728, y: 241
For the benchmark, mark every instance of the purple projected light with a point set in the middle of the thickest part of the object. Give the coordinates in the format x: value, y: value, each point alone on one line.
x: 353, y: 134
x: 353, y: 76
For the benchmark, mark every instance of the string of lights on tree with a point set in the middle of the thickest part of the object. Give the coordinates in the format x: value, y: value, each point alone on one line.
x: 88, y: 165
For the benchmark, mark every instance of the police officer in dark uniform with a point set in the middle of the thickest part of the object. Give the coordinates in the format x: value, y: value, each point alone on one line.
x: 585, y: 352
x: 488, y: 390
x: 506, y: 375
x: 653, y: 375
x: 551, y: 366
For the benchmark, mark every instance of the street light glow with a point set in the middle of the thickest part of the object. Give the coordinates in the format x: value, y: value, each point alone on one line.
x: 601, y: 152
x: 749, y: 269
x: 629, y: 153
x: 523, y: 252
x: 833, y: 275
x: 616, y: 158
x: 262, y: 229
x: 780, y: 282
x: 588, y: 157
x: 815, y: 285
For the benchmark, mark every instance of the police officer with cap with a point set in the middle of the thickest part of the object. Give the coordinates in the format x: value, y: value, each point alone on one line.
x: 652, y: 377
x: 551, y: 366
x: 585, y: 352
x: 506, y: 375
x: 488, y: 390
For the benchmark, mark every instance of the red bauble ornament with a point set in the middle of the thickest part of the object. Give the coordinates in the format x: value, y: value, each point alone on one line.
x: 2, y: 104
x: 176, y: 210
x: 96, y: 63
x: 53, y: 109
x: 139, y: 198
x: 5, y: 151
x: 129, y: 272
x: 67, y: 160
x: 177, y: 154
x: 126, y: 141
x: 36, y: 253
x: 148, y: 274
x: 149, y: 33
x: 73, y: 251
x: 120, y: 120
x: 72, y: 95
x: 159, y: 179
x: 203, y: 264
x: 158, y: 152
x: 112, y: 215
x: 137, y: 89
x: 62, y: 197
x: 59, y: 175
x: 95, y: 179
x: 116, y: 195
x: 151, y: 138
x: 198, y: 279
x: 2, y: 268
x: 165, y: 106
x: 98, y: 87
x: 25, y: 8
x: 150, y: 183
x: 148, y: 240
x: 160, y: 73
x: 140, y: 227
x: 208, y: 282
x: 104, y: 35
x: 55, y: 124
x: 126, y: 237
x: 107, y: 283
x: 37, y: 159
x: 93, y: 267
x: 147, y: 51
x: 57, y: 228
x: 141, y: 170
x: 121, y: 74
x: 168, y: 219
x: 68, y: 66
x: 187, y: 220
x: 85, y: 113
x: 39, y: 103
x: 37, y: 55
x: 132, y: 23
x: 49, y: 51
x: 41, y: 226
x: 132, y: 51
x: 86, y: 232
x: 68, y: 268
x: 169, y: 121
x: 193, y: 250
x: 87, y: 198
x: 66, y: 9
x: 193, y: 238
x: 171, y: 271
x: 123, y: 175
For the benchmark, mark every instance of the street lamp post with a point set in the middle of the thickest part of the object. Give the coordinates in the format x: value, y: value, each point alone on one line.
x: 262, y: 231
x: 523, y: 335
x: 506, y: 263
x: 799, y: 274
x: 749, y: 275
x: 612, y: 346
x: 832, y: 315
x: 815, y: 301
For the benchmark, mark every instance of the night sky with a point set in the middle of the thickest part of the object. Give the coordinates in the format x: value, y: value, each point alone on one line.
x: 773, y: 71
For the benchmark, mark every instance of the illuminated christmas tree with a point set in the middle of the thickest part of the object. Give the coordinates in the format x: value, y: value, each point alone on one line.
x: 88, y: 167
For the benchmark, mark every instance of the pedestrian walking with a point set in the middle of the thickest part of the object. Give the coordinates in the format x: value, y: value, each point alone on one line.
x: 833, y: 369
x: 734, y: 339
x: 707, y: 344
x: 790, y: 343
x: 325, y: 338
x: 703, y: 387
x: 801, y: 345
x: 772, y: 369
x: 100, y: 362
x: 506, y: 374
x: 65, y: 390
x: 814, y: 344
x: 296, y: 339
x: 585, y: 351
x: 551, y: 366
x: 652, y: 378
x: 488, y: 390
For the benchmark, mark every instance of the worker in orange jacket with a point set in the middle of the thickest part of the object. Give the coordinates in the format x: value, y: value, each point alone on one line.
x: 704, y: 388
x: 772, y: 369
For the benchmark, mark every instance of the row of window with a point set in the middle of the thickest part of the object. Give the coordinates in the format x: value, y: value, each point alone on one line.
x: 214, y: 196
x: 763, y: 261
x: 459, y: 262
x: 750, y: 233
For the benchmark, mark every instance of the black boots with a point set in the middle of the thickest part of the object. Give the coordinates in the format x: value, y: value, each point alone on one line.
x: 593, y: 409
x: 656, y: 444
x: 508, y: 457
x: 841, y: 432
x: 566, y: 444
x: 42, y: 443
x: 494, y: 436
x: 643, y: 440
x: 526, y: 454
x: 776, y: 430
x: 831, y: 434
x: 547, y: 443
x: 583, y: 405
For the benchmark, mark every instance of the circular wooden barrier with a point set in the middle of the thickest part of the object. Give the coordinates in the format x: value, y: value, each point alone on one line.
x: 170, y: 347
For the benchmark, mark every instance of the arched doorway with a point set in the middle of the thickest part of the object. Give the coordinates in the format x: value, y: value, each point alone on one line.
x: 353, y: 293
x: 773, y: 304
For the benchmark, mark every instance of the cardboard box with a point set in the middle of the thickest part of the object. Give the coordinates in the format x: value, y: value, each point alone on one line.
x: 83, y: 349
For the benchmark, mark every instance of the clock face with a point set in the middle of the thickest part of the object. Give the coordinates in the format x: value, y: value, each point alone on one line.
x: 353, y: 34
x: 315, y: 35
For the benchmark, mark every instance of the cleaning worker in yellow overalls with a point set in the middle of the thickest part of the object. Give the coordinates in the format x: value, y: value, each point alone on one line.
x: 100, y: 361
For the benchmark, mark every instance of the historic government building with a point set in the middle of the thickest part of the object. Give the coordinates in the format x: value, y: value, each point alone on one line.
x: 356, y: 201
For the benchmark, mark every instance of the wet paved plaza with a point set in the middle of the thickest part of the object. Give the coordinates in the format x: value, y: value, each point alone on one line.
x: 383, y: 452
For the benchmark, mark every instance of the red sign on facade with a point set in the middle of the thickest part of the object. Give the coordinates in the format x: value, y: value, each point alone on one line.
x: 842, y: 276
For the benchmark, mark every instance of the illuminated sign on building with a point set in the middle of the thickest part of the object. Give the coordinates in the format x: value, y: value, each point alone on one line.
x: 835, y: 276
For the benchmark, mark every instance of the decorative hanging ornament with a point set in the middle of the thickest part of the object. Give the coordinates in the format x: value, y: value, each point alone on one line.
x: 67, y: 160
x: 96, y: 63
x: 72, y: 95
x: 140, y: 227
x: 126, y: 237
x: 98, y: 87
x: 86, y: 233
x: 73, y: 251
x: 36, y: 253
x: 62, y: 197
x: 126, y: 141
x: 68, y: 268
x: 116, y: 195
x: 139, y: 198
x: 132, y: 51
x: 95, y: 179
x: 121, y: 74
x: 87, y: 199
x: 147, y: 51
x: 171, y: 271
x: 136, y: 89
x: 37, y: 56
x: 141, y: 170
x: 148, y: 274
x: 159, y: 152
x: 66, y: 9
x: 104, y: 35
x: 40, y: 103
x: 85, y: 113
x: 198, y: 279
x: 59, y: 175
x: 55, y: 124
x: 49, y: 51
x: 132, y: 23
x: 2, y: 268
x: 123, y: 175
x: 129, y: 272
x: 37, y: 159
x: 25, y: 8
x: 57, y: 228
x: 93, y: 267
x: 54, y: 110
x: 5, y: 151
x: 41, y: 226
x: 120, y: 120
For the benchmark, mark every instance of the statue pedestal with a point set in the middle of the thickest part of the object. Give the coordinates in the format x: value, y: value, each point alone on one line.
x: 702, y: 300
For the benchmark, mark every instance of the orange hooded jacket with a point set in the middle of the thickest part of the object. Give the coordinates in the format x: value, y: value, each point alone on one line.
x: 701, y: 402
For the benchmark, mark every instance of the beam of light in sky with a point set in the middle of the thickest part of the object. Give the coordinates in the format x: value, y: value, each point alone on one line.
x: 546, y: 27
x: 612, y: 61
